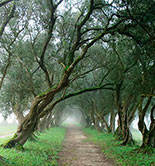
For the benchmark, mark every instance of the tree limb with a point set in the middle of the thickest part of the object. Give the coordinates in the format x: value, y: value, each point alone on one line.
x: 5, y: 70
x: 5, y: 2
x: 75, y: 94
x: 7, y: 19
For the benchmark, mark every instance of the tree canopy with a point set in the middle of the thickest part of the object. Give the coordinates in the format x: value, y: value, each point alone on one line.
x: 55, y: 49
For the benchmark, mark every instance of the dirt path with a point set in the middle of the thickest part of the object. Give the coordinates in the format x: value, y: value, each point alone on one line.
x: 78, y: 152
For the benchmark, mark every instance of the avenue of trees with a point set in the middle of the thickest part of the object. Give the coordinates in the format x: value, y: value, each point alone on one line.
x: 96, y: 54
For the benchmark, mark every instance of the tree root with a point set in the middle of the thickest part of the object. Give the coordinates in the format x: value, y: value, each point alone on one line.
x: 2, y: 159
x: 33, y: 137
x: 12, y: 143
x: 145, y: 150
x: 130, y: 142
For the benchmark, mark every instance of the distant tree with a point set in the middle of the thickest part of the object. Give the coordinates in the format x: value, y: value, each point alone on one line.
x: 61, y: 43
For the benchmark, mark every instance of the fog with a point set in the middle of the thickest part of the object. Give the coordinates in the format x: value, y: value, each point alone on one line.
x: 72, y: 116
x: 10, y: 119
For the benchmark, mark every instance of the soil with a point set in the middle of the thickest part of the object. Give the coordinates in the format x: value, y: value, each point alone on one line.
x: 78, y: 151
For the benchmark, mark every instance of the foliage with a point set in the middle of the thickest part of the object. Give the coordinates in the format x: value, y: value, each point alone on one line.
x: 88, y: 44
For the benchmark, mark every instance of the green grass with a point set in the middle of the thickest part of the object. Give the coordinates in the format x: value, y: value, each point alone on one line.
x: 65, y: 124
x: 43, y: 152
x: 122, y: 155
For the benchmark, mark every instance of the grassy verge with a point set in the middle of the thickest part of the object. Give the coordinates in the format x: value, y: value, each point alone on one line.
x: 43, y: 152
x: 122, y: 155
x: 64, y: 124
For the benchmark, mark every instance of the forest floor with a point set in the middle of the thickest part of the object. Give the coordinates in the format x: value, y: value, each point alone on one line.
x: 78, y: 151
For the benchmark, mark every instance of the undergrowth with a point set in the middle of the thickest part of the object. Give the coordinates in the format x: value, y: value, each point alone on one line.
x: 121, y: 155
x: 43, y: 152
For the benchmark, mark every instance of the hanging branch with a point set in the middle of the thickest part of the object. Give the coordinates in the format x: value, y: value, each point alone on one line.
x: 10, y: 15
x: 78, y: 32
x: 29, y: 75
x: 5, y: 2
x: 5, y: 70
x: 105, y: 86
x: 9, y: 58
x: 45, y: 45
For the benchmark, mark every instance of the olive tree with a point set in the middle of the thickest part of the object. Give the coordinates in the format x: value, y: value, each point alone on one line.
x: 95, y: 22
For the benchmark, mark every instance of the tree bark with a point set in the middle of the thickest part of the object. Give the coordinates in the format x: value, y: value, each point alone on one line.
x: 148, y: 135
x: 128, y: 139
x: 88, y: 122
x: 106, y: 124
x: 42, y: 124
x: 152, y: 127
x: 112, y: 121
x: 123, y: 131
x: 9, y: 17
x: 118, y: 101
x: 128, y: 114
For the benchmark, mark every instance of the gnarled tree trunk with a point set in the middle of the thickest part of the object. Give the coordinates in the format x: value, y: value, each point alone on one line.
x: 148, y: 135
x: 37, y: 111
x: 112, y: 121
x: 128, y: 139
x: 88, y: 122
x: 118, y: 101
x: 123, y: 131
